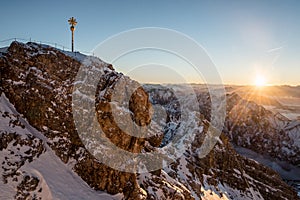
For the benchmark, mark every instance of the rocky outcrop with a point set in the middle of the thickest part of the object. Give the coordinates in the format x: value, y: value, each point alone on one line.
x: 38, y: 80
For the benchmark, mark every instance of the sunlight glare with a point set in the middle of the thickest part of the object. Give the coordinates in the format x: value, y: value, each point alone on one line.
x: 260, y: 81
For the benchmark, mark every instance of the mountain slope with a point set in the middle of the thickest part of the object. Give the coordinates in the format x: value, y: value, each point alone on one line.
x: 30, y: 169
x: 39, y: 80
x: 222, y: 171
x: 252, y: 126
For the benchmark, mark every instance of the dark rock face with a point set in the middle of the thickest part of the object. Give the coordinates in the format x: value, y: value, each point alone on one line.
x: 252, y: 126
x: 39, y: 81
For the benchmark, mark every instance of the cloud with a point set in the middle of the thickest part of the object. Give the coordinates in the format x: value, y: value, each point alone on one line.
x: 274, y: 49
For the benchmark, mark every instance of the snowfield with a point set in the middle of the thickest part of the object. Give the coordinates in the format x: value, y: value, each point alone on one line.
x: 56, y: 179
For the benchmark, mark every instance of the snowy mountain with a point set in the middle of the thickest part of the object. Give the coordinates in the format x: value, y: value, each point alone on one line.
x: 43, y: 156
x: 286, y: 167
x: 252, y: 126
x: 30, y: 169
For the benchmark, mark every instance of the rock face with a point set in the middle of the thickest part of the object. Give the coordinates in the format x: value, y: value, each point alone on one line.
x: 38, y: 81
x: 252, y: 126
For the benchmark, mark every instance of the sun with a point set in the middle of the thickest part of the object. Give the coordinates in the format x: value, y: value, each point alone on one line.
x: 260, y: 81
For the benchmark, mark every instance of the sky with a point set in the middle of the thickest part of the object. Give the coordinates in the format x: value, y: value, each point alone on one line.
x: 244, y: 39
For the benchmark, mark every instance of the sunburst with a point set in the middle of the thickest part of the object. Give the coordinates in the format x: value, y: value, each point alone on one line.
x: 260, y: 81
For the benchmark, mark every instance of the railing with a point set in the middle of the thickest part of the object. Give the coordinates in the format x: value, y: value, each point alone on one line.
x: 6, y: 43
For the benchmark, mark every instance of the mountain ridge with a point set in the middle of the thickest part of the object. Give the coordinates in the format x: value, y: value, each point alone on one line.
x: 38, y: 81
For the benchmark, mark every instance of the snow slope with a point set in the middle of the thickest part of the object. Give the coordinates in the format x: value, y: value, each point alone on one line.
x: 56, y: 179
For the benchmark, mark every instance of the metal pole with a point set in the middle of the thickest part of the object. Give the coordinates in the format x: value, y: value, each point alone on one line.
x: 72, y: 40
x: 72, y: 22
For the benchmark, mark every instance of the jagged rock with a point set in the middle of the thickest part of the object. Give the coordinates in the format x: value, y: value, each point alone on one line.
x: 38, y: 81
x: 222, y: 168
x: 252, y: 126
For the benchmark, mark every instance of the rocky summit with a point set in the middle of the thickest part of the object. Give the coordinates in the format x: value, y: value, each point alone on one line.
x: 45, y: 154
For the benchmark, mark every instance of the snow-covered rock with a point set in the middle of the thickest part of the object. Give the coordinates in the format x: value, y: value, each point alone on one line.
x: 49, y: 160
